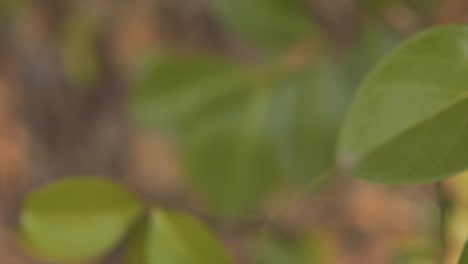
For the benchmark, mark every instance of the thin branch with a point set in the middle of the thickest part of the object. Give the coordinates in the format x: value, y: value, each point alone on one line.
x: 442, y: 203
x: 314, y: 184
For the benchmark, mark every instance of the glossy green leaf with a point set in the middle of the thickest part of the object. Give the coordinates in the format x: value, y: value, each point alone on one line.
x: 171, y: 237
x: 464, y: 255
x: 409, y: 120
x: 77, y: 219
x: 269, y: 24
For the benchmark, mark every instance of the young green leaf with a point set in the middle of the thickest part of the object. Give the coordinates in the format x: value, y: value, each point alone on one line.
x: 77, y: 219
x: 172, y: 238
x: 409, y: 120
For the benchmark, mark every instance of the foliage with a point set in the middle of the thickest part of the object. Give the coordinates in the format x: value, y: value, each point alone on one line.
x: 174, y: 237
x: 266, y: 125
x: 243, y: 128
x: 411, y: 111
x: 61, y: 220
x: 80, y: 219
x: 464, y: 255
x: 271, y: 25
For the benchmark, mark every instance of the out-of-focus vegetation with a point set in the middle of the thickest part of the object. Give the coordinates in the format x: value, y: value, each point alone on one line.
x: 227, y: 113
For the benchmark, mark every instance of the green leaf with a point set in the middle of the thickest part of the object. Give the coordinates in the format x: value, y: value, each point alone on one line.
x: 79, y: 50
x: 172, y: 89
x: 241, y: 129
x: 231, y: 155
x: 286, y: 126
x: 424, y: 9
x: 409, y: 120
x: 11, y: 10
x: 272, y: 25
x: 174, y: 238
x: 375, y: 41
x: 464, y: 256
x: 303, y: 249
x: 418, y: 249
x: 308, y: 109
x: 77, y: 219
x: 218, y: 109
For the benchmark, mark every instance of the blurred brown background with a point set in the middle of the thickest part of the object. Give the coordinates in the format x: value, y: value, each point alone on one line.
x: 66, y: 68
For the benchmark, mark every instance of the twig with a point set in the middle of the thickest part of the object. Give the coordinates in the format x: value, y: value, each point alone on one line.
x: 314, y: 184
x: 442, y: 203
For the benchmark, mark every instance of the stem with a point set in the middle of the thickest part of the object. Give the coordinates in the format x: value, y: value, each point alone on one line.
x: 312, y: 185
x: 442, y: 203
